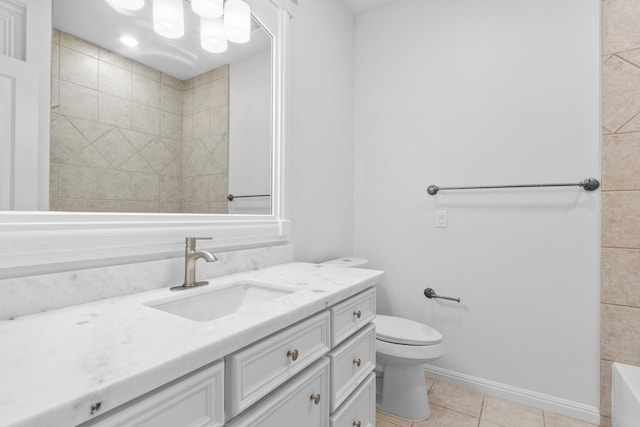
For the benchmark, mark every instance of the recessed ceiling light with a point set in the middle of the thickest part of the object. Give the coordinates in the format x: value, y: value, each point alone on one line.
x: 128, y: 41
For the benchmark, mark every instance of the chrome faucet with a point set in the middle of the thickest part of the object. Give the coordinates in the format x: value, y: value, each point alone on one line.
x: 190, y: 258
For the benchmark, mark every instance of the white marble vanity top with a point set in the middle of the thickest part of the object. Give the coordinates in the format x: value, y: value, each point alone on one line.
x: 55, y: 365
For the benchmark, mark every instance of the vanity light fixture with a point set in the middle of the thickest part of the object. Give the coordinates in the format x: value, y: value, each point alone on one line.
x: 168, y: 18
x: 212, y: 36
x: 208, y: 8
x: 129, y: 41
x: 237, y: 21
x: 127, y: 4
x: 220, y: 20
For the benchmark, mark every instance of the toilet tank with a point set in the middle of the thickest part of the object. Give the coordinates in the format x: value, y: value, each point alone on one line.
x: 346, y: 262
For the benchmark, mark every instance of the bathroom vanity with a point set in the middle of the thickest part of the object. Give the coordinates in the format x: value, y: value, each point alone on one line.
x: 291, y: 344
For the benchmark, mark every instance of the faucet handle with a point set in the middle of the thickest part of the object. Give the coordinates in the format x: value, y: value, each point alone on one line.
x: 191, y: 241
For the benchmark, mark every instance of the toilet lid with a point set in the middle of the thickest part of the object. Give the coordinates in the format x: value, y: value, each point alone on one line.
x: 404, y: 331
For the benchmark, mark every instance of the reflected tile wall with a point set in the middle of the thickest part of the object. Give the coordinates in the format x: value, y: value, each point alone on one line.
x: 206, y: 147
x: 620, y: 293
x: 128, y: 138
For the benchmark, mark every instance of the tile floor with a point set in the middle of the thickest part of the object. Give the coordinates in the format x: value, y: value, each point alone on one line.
x: 453, y: 406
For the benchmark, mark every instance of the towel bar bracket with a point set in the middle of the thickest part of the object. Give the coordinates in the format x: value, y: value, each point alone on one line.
x: 430, y: 293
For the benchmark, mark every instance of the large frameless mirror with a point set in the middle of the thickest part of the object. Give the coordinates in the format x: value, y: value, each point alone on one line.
x: 148, y: 143
x: 146, y: 123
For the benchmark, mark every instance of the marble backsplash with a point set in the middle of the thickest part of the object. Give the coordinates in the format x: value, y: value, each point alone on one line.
x: 28, y: 295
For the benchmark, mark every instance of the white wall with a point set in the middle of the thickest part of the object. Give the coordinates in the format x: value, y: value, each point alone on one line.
x: 250, y: 145
x: 493, y: 92
x: 319, y: 181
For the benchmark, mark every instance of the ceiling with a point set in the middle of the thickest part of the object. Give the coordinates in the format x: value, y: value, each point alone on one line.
x: 101, y: 24
x: 361, y: 6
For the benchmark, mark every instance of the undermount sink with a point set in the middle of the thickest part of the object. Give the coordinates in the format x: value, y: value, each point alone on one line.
x: 205, y: 306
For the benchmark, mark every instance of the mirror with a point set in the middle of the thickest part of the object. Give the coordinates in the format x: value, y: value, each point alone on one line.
x: 163, y: 127
x: 34, y: 242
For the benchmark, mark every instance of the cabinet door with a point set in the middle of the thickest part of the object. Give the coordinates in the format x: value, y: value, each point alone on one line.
x: 301, y: 402
x: 351, y: 363
x: 25, y: 64
x: 360, y: 409
x: 349, y: 316
x: 195, y: 401
x: 255, y: 371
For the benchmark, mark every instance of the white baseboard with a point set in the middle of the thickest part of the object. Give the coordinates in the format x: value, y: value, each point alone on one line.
x: 558, y: 405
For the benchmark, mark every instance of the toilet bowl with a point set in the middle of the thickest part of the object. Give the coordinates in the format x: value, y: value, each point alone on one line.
x: 403, y: 346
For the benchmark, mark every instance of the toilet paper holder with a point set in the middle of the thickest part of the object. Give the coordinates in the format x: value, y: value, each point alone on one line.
x: 430, y: 293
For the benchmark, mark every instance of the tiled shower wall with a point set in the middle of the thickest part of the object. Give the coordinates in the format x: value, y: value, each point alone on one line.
x: 206, y: 142
x: 128, y: 138
x: 620, y: 292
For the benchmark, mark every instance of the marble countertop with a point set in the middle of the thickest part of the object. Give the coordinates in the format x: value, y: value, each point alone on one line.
x: 55, y: 365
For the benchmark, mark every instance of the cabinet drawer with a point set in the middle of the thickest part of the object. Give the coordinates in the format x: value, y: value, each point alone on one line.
x: 195, y: 401
x: 360, y: 409
x: 256, y: 370
x: 300, y: 402
x: 352, y: 314
x: 351, y: 362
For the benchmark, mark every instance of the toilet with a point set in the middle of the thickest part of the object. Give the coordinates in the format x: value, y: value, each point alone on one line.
x: 403, y: 346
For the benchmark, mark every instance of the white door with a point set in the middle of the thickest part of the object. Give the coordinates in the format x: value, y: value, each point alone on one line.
x: 18, y: 135
x: 25, y: 58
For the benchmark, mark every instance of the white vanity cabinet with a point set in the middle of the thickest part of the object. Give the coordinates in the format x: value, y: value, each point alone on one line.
x: 353, y: 358
x: 196, y: 400
x: 255, y: 371
x: 360, y: 408
x: 300, y: 402
x: 294, y: 377
x: 341, y: 384
x: 352, y: 314
x: 351, y: 362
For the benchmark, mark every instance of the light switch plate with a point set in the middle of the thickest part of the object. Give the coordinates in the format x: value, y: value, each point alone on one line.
x: 441, y: 218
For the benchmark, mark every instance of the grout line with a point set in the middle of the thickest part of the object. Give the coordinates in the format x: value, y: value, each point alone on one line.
x: 617, y: 131
x: 619, y: 305
x: 624, y: 59
x: 626, y: 248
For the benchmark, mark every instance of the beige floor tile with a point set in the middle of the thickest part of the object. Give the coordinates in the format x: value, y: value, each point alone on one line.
x: 485, y: 423
x: 385, y: 420
x: 605, y: 421
x: 459, y: 399
x: 443, y: 417
x: 506, y: 413
x: 555, y: 420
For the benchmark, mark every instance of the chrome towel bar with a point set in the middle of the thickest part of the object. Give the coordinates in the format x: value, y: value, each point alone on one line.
x: 230, y: 197
x: 430, y: 293
x: 588, y: 184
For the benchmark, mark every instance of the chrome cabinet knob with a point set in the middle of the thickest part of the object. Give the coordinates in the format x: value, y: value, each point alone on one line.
x: 356, y: 424
x: 358, y: 314
x: 357, y: 362
x: 315, y: 398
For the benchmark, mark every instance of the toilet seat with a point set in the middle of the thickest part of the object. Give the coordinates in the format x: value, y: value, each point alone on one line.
x: 397, y: 330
